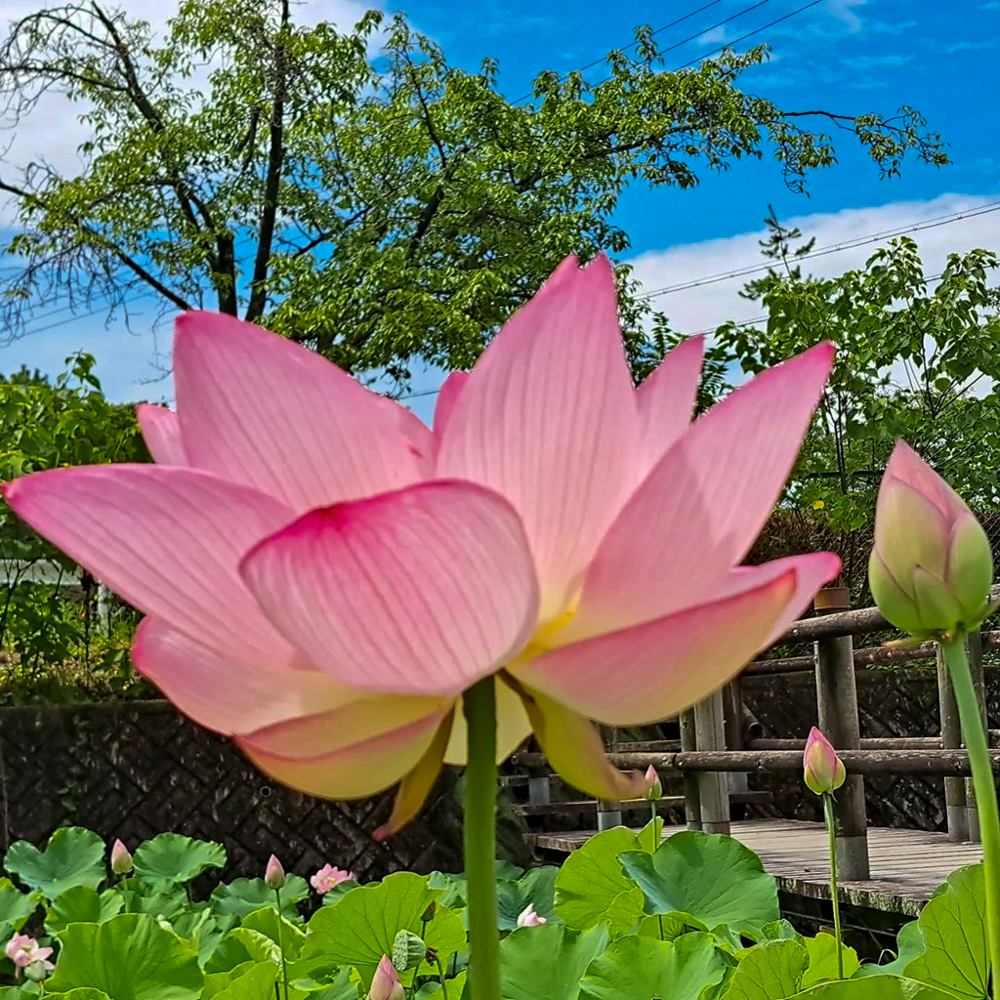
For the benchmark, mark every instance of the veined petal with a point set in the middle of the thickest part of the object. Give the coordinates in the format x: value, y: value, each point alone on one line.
x: 666, y: 400
x: 653, y: 671
x: 910, y: 530
x: 261, y: 410
x: 231, y: 693
x: 897, y: 604
x: 348, y: 753
x: 422, y: 591
x: 161, y: 431
x: 704, y: 502
x: 548, y: 419
x: 417, y: 785
x: 513, y: 727
x: 908, y: 467
x: 575, y: 751
x: 447, y: 397
x: 167, y: 540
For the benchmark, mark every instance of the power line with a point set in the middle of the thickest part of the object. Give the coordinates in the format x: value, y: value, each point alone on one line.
x: 933, y: 223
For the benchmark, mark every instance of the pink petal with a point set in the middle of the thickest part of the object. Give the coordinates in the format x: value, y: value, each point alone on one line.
x: 651, y: 672
x: 162, y: 433
x: 447, y: 397
x: 704, y: 503
x: 423, y: 591
x: 548, y: 419
x: 165, y: 539
x: 348, y: 753
x: 666, y: 400
x: 908, y: 467
x: 575, y: 751
x: 260, y: 410
x: 513, y: 727
x: 231, y: 693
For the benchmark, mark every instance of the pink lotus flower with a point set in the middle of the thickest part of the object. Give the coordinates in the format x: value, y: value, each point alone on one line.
x: 324, y: 576
x: 824, y: 770
x: 328, y: 878
x: 274, y: 874
x: 386, y: 984
x: 121, y: 860
x: 23, y: 951
x: 931, y: 567
x: 654, y: 787
x: 529, y: 918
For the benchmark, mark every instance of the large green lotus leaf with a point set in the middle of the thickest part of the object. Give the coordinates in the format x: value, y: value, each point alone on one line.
x: 591, y: 887
x: 769, y: 971
x: 875, y: 988
x: 16, y: 908
x: 203, y: 928
x: 239, y: 946
x: 547, y: 961
x: 130, y: 957
x: 173, y: 859
x: 713, y: 877
x: 455, y: 988
x: 360, y: 928
x: 953, y: 926
x: 254, y: 981
x: 82, y: 905
x: 534, y: 889
x: 823, y: 960
x: 635, y: 967
x: 909, y: 944
x: 83, y: 993
x: 72, y: 857
x: 283, y: 933
x: 244, y: 895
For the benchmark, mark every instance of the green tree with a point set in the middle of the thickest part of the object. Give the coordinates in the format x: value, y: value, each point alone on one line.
x: 378, y: 210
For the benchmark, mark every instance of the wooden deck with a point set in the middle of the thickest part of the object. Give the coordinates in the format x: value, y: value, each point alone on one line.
x: 906, y: 865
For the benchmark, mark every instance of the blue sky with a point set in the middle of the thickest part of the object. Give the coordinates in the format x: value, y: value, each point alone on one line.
x: 844, y: 56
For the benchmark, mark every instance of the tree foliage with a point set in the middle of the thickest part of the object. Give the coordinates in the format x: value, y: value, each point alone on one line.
x: 380, y: 210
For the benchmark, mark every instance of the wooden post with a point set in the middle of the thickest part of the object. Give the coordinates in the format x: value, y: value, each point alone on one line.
x: 975, y: 649
x: 837, y: 704
x: 609, y: 814
x: 713, y: 787
x: 732, y: 703
x: 539, y: 791
x: 951, y: 739
x: 692, y: 796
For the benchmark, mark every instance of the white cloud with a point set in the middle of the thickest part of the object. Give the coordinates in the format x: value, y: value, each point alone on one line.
x: 706, y: 306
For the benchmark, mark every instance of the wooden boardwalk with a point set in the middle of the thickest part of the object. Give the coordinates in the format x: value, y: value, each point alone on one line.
x: 906, y: 865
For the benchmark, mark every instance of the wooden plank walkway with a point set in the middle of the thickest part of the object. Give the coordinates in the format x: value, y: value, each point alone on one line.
x: 906, y: 865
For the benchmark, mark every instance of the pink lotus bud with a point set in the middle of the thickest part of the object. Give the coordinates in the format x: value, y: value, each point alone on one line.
x: 274, y: 874
x: 529, y: 918
x: 824, y: 770
x: 654, y: 789
x: 121, y: 860
x: 386, y: 984
x: 329, y: 877
x: 24, y: 951
x: 931, y: 567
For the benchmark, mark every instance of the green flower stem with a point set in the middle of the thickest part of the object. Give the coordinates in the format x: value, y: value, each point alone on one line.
x: 481, y: 838
x: 124, y: 882
x: 441, y: 979
x: 974, y: 734
x: 831, y: 829
x: 281, y: 945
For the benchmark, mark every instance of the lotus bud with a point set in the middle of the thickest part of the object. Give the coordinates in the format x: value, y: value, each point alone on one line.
x: 274, y: 874
x: 529, y: 918
x: 385, y: 983
x: 931, y: 568
x: 408, y: 951
x: 824, y: 770
x: 121, y: 860
x: 654, y: 789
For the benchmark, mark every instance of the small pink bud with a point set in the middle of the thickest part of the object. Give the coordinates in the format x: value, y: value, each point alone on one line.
x: 274, y: 874
x: 824, y: 770
x: 386, y: 984
x: 529, y: 918
x: 654, y: 789
x: 121, y: 860
x: 24, y: 951
x: 329, y: 877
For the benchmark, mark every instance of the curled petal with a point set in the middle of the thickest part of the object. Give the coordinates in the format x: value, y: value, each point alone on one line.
x: 906, y: 466
x: 653, y: 671
x: 348, y: 753
x: 161, y: 431
x: 261, y: 410
x: 548, y: 419
x: 446, y: 399
x: 910, y: 530
x: 423, y: 591
x: 898, y: 606
x: 575, y: 750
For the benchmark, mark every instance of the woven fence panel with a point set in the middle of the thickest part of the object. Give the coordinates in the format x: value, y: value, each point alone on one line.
x: 135, y: 770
